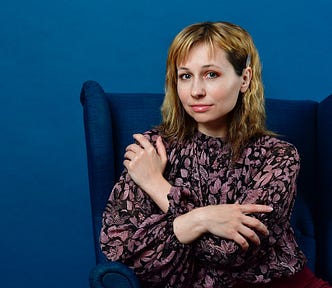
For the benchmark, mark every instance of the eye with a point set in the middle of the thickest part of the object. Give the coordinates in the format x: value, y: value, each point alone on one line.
x: 184, y: 76
x: 212, y: 75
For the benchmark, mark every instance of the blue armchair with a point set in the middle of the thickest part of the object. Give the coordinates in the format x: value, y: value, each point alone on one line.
x: 110, y: 119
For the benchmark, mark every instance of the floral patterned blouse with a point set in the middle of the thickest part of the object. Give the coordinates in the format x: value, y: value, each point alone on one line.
x: 136, y: 232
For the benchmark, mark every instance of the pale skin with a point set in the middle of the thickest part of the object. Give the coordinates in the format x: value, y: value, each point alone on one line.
x: 208, y: 88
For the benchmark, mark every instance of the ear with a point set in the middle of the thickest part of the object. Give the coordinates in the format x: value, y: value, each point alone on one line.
x: 246, y: 78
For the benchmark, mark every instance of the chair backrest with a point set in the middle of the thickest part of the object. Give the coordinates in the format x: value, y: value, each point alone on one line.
x: 295, y: 122
x: 111, y: 119
x: 323, y: 192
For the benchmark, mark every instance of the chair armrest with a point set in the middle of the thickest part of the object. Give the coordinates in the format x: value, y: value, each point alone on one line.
x: 113, y: 275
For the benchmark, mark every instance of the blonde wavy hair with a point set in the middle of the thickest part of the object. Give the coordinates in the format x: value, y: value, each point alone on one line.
x: 247, y: 120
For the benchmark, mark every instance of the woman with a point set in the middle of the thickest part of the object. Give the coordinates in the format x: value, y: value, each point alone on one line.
x: 206, y: 197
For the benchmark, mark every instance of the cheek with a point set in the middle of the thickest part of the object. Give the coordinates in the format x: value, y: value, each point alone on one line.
x: 182, y: 92
x: 226, y: 96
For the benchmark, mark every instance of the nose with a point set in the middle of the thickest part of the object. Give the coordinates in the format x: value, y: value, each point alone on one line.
x: 198, y: 89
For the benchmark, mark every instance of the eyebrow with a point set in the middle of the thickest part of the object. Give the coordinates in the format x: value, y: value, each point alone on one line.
x: 204, y: 66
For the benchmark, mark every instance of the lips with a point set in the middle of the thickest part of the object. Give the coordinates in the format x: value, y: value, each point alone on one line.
x: 200, y: 108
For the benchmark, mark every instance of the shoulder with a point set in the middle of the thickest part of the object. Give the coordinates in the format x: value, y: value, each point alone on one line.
x: 152, y: 135
x: 271, y: 147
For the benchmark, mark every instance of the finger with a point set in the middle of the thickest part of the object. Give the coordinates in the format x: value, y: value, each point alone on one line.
x: 126, y: 163
x: 145, y: 143
x: 249, y: 234
x: 239, y: 239
x: 255, y: 208
x: 161, y: 149
x: 255, y: 224
x: 129, y: 155
x: 133, y: 147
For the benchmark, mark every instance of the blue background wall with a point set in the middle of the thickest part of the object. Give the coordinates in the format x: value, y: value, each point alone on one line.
x: 48, y: 48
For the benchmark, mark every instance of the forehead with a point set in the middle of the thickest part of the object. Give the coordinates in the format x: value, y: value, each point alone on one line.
x: 202, y: 51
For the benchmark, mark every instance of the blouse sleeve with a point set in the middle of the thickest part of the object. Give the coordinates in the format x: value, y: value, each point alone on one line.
x: 136, y: 232
x: 273, y: 183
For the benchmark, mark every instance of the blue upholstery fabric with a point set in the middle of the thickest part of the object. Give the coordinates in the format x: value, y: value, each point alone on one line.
x: 113, y: 274
x: 323, y: 193
x: 295, y: 121
x: 111, y: 119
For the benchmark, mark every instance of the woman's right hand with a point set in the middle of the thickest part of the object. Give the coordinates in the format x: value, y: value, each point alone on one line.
x: 228, y: 221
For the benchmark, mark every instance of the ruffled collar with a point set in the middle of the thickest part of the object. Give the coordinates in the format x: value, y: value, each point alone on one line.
x: 206, y: 141
x: 203, y: 137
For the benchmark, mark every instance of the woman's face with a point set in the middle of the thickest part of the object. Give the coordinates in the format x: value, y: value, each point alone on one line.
x: 208, y: 88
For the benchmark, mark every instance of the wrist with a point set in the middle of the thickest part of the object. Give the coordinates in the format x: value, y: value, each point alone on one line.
x: 158, y: 190
x: 156, y: 185
x: 189, y: 226
x: 199, y: 219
